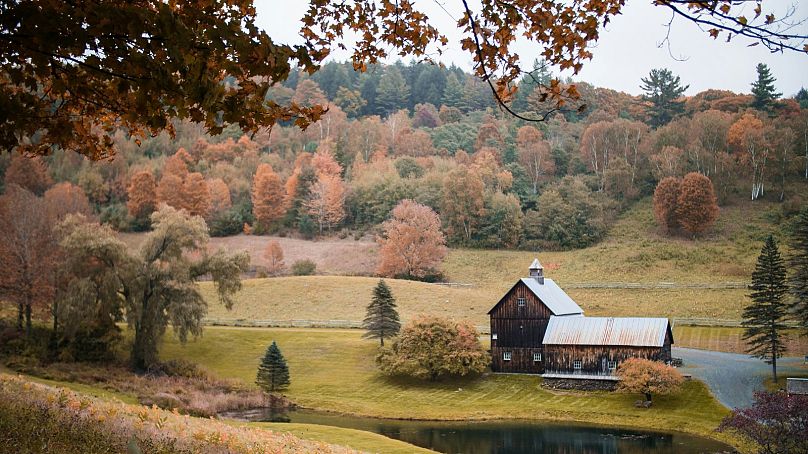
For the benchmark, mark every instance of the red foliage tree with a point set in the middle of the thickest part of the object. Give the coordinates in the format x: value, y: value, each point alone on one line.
x: 220, y: 200
x: 29, y: 173
x: 697, y: 206
x: 666, y: 196
x: 412, y: 244
x: 267, y: 196
x: 273, y: 254
x: 27, y: 253
x: 196, y: 195
x: 142, y: 195
x: 776, y: 422
x: 66, y: 198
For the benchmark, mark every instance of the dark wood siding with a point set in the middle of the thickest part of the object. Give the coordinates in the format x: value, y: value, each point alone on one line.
x: 594, y: 358
x: 519, y: 330
x: 521, y: 360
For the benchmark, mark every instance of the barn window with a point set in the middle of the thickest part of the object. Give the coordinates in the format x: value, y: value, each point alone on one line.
x: 612, y: 365
x: 536, y: 357
x: 576, y: 364
x: 506, y: 356
x: 520, y: 302
x: 493, y: 337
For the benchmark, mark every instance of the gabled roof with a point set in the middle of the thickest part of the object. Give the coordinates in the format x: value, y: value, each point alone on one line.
x: 625, y: 331
x: 550, y: 294
x: 535, y: 265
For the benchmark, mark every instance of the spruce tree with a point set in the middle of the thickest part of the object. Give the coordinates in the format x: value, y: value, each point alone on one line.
x: 763, y: 88
x: 764, y: 318
x: 381, y: 321
x: 273, y: 373
x: 798, y: 267
x: 663, y: 89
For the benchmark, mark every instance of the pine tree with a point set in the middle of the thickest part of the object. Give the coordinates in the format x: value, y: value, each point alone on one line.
x: 453, y: 93
x: 798, y: 264
x: 393, y: 93
x: 763, y: 89
x: 381, y: 321
x: 663, y: 89
x: 764, y: 318
x: 273, y: 373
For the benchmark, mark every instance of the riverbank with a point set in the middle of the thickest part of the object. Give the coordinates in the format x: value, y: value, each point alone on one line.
x: 334, y: 371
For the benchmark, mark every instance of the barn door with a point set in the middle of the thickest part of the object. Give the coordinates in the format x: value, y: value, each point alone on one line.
x: 603, y: 365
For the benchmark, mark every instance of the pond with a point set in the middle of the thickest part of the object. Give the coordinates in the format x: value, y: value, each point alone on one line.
x: 503, y: 436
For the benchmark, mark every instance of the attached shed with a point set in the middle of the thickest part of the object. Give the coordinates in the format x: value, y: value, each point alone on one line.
x: 595, y: 346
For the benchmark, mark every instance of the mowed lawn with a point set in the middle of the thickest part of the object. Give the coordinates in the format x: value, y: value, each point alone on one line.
x: 334, y: 370
x: 346, y: 297
x: 730, y: 339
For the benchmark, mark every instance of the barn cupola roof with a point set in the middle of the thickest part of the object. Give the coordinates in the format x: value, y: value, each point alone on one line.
x: 537, y: 271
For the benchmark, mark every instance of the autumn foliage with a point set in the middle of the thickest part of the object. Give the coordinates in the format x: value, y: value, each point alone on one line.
x: 28, y: 173
x: 412, y: 244
x: 142, y: 192
x: 648, y: 377
x: 267, y: 196
x: 689, y: 204
x: 666, y: 196
x: 697, y: 206
x: 431, y: 347
x: 273, y: 254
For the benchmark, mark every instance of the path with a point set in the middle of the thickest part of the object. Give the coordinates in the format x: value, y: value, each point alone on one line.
x: 733, y: 378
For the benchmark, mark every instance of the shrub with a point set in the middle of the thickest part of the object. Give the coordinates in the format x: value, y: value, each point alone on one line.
x: 776, y: 422
x: 431, y: 347
x: 304, y: 268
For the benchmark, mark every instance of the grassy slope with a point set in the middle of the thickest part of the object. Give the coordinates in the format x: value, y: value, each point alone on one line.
x: 356, y: 439
x: 333, y: 370
x: 633, y: 252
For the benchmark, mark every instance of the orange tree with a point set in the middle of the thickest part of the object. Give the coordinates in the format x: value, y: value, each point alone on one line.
x: 70, y: 75
x: 648, y: 377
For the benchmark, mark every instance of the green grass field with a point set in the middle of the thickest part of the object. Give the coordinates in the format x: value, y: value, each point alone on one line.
x: 333, y: 370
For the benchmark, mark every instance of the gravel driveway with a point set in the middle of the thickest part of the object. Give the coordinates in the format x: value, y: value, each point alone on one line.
x: 732, y: 378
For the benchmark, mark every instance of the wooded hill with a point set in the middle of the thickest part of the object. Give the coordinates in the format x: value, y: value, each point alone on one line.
x: 435, y: 135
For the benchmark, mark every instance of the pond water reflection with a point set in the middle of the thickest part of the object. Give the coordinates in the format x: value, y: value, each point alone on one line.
x: 504, y: 436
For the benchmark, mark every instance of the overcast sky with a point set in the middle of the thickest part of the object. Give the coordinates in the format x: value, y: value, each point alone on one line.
x: 627, y: 50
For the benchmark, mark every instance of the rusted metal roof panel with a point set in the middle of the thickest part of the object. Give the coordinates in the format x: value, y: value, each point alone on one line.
x: 626, y: 331
x: 553, y: 297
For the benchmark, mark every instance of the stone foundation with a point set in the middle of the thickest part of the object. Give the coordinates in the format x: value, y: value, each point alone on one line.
x: 580, y: 384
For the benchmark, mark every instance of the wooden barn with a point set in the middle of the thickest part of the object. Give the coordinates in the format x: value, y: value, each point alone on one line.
x: 519, y: 321
x: 537, y: 328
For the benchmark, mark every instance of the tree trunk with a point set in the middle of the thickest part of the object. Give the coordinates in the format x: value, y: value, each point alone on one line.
x: 19, y: 316
x: 648, y: 397
x: 139, y: 362
x: 381, y: 338
x: 28, y: 327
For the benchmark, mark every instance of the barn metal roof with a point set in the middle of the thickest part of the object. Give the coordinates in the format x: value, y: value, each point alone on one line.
x: 553, y: 297
x: 626, y: 331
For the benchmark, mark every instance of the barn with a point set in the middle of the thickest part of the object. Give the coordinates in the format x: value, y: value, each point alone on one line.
x: 537, y: 328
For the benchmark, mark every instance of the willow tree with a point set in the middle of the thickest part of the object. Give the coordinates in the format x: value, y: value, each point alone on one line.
x: 152, y: 288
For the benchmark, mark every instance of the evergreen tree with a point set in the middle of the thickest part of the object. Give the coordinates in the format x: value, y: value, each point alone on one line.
x: 764, y: 318
x: 381, y: 321
x: 273, y: 373
x: 393, y: 94
x: 802, y: 98
x: 453, y: 93
x: 763, y: 89
x: 663, y: 89
x: 798, y: 264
